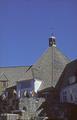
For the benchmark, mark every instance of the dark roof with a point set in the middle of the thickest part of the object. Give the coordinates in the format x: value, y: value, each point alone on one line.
x: 49, y: 67
x: 69, y: 71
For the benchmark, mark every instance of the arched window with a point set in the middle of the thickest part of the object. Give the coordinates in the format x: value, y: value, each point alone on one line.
x: 64, y: 96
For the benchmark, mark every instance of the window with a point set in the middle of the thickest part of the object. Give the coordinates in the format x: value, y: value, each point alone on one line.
x: 64, y: 96
x: 76, y: 76
x: 75, y: 98
x: 4, y: 84
x: 72, y: 79
x: 71, y: 97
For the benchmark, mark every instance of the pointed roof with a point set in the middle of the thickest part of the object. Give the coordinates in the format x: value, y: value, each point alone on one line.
x: 50, y: 66
x: 3, y: 77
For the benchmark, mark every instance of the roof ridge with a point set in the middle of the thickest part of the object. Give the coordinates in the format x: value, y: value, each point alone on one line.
x: 4, y: 75
x: 14, y: 66
x: 63, y: 53
x: 42, y: 54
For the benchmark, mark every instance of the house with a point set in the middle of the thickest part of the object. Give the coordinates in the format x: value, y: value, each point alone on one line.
x: 68, y: 83
x: 67, y: 90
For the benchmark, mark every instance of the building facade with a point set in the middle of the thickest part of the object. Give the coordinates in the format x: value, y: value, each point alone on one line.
x: 68, y: 83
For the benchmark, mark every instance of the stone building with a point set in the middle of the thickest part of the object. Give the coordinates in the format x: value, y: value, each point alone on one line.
x: 34, y: 85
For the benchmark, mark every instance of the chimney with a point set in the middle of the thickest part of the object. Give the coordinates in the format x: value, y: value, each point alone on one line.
x: 52, y: 41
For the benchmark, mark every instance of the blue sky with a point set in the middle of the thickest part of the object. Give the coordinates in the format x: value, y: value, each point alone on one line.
x: 25, y: 26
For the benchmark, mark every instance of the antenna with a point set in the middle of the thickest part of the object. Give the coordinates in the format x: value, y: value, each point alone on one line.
x: 53, y: 31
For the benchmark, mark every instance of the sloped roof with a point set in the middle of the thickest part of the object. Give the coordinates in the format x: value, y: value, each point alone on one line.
x: 69, y: 71
x: 49, y: 67
x: 3, y: 77
x: 14, y: 74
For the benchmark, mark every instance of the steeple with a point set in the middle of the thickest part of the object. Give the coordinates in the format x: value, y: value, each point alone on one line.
x: 52, y: 41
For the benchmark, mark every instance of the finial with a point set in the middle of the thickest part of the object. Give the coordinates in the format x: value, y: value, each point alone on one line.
x: 52, y: 40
